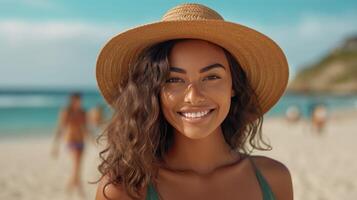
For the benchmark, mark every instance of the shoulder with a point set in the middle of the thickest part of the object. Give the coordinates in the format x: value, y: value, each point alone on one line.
x: 63, y: 114
x: 277, y: 175
x: 107, y: 191
x: 268, y: 166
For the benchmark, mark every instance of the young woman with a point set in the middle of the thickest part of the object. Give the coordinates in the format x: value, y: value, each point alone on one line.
x: 72, y: 127
x: 189, y: 94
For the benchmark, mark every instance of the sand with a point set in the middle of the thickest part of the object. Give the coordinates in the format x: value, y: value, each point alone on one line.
x: 28, y: 171
x: 323, y: 167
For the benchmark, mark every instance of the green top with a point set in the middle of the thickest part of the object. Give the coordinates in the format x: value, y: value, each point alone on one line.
x: 266, y: 190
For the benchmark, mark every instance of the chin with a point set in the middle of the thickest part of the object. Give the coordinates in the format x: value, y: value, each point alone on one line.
x: 195, y: 135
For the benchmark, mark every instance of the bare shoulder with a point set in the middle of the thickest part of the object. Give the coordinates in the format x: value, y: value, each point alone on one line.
x: 270, y: 166
x: 62, y: 116
x: 107, y: 191
x: 63, y: 112
x: 277, y: 175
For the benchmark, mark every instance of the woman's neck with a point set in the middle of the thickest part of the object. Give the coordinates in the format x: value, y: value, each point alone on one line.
x: 200, y: 156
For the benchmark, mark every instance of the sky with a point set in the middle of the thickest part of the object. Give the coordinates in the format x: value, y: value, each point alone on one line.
x: 54, y: 44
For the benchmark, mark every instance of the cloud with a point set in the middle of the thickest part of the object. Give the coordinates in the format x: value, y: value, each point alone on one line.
x: 50, y: 53
x: 16, y: 30
x: 311, y: 37
x: 312, y: 27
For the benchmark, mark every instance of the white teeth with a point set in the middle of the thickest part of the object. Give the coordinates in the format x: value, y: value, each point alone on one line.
x: 195, y: 114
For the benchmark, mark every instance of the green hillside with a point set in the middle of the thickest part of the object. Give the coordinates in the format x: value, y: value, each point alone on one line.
x: 335, y: 73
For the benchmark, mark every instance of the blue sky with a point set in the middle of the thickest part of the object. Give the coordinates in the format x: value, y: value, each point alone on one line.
x: 54, y: 44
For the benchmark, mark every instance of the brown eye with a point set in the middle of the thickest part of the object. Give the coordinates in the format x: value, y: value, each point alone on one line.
x: 212, y: 77
x: 174, y: 80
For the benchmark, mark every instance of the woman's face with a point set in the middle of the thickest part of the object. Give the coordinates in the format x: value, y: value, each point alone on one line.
x: 197, y: 95
x: 76, y: 103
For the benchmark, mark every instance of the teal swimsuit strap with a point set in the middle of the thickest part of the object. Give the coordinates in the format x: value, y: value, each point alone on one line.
x: 151, y: 193
x: 266, y: 190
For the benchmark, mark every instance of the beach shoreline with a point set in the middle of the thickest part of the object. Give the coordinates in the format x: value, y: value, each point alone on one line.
x: 322, y: 166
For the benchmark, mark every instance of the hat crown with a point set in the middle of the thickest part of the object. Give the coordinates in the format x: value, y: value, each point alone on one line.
x: 189, y: 12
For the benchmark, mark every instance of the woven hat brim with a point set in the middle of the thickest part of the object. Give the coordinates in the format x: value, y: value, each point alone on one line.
x: 260, y: 57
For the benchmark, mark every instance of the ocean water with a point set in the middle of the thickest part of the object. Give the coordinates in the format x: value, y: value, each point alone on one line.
x: 29, y: 113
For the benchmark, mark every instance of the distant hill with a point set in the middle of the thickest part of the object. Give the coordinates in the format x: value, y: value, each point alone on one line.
x: 335, y: 73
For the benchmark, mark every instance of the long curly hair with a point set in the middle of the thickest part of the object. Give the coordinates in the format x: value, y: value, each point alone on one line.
x: 138, y: 135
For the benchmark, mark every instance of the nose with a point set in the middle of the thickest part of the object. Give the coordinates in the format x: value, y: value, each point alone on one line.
x: 193, y: 95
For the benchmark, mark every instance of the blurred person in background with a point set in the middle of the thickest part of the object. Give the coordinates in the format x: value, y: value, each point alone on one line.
x: 72, y: 127
x: 96, y: 119
x: 319, y: 118
x: 293, y: 114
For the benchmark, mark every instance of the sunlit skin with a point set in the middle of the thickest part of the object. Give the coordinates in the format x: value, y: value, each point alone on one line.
x: 191, y: 89
x: 74, y: 129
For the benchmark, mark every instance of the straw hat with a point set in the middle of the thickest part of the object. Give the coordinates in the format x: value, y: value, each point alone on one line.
x: 260, y: 57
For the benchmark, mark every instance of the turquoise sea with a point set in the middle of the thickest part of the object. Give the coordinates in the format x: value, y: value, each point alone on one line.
x: 30, y: 113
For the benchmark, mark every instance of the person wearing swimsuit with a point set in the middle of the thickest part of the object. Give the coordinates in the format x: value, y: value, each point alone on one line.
x: 188, y: 94
x: 72, y: 127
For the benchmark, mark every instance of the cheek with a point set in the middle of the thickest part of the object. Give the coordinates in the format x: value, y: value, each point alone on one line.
x: 169, y: 99
x: 221, y: 94
x: 220, y: 91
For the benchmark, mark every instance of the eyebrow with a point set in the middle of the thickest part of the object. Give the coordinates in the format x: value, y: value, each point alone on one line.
x: 205, y: 69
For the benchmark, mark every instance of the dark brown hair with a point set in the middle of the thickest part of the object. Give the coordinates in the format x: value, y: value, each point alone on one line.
x: 138, y: 135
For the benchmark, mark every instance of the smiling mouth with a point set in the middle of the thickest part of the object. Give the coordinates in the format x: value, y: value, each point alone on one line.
x: 195, y: 115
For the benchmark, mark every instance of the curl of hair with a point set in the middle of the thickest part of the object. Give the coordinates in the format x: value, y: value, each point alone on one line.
x: 138, y: 135
x: 242, y: 128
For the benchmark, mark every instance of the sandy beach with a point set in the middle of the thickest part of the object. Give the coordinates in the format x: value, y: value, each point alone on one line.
x: 323, y: 167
